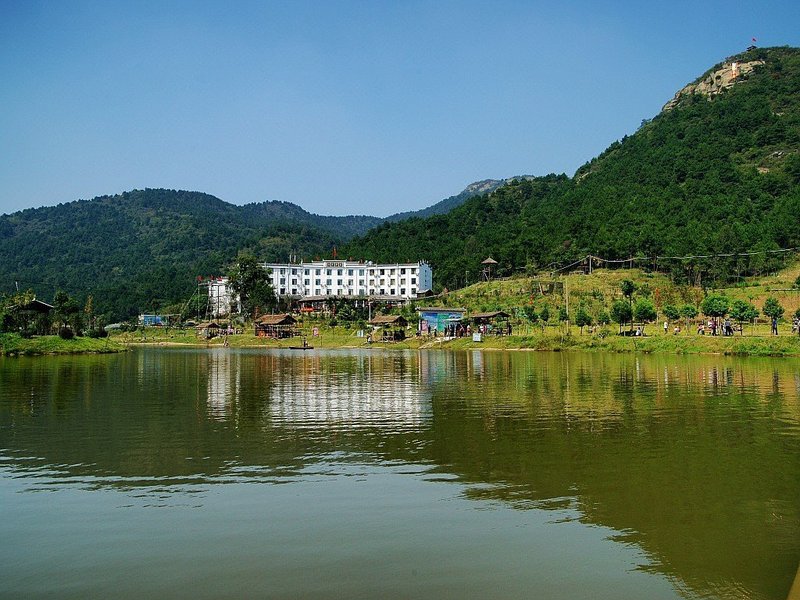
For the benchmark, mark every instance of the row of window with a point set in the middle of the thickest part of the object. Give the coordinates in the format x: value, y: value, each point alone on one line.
x: 350, y: 272
x: 339, y: 282
x: 361, y: 292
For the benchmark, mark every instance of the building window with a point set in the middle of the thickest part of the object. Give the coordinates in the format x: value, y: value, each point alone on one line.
x: 402, y: 291
x: 317, y: 271
x: 350, y: 272
x: 327, y: 271
x: 283, y: 291
x: 413, y: 280
x: 402, y: 271
x: 327, y: 282
x: 339, y: 282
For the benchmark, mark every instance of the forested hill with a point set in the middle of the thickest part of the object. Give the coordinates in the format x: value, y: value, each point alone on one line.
x: 716, y: 172
x: 141, y: 250
x: 444, y: 206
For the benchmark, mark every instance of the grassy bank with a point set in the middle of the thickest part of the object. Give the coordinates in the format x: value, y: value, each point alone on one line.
x: 553, y: 339
x: 12, y: 344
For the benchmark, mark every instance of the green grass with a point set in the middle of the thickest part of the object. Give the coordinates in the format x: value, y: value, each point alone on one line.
x: 12, y: 344
x: 554, y: 339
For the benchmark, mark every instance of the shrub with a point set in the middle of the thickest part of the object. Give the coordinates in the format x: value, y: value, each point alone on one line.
x: 65, y: 333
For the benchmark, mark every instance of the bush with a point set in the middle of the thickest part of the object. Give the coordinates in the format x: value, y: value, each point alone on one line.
x: 65, y: 333
x: 97, y: 333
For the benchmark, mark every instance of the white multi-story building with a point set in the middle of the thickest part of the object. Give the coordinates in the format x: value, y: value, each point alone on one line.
x: 350, y: 278
x: 343, y: 278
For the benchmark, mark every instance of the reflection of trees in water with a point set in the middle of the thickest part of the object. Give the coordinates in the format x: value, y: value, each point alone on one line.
x: 693, y: 460
x: 199, y: 414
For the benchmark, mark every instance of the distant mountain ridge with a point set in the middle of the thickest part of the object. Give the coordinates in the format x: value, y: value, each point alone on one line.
x: 139, y: 250
x: 478, y: 188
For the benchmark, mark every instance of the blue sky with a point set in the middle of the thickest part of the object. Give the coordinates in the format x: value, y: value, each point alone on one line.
x: 340, y: 107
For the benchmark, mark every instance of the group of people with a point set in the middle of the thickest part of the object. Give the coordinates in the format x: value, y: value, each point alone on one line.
x: 713, y: 326
x: 458, y: 329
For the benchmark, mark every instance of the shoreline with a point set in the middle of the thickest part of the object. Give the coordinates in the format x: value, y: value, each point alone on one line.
x: 747, y: 345
x: 12, y: 345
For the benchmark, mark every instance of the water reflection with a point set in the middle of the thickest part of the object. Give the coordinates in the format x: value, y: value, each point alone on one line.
x: 693, y: 460
x: 224, y: 382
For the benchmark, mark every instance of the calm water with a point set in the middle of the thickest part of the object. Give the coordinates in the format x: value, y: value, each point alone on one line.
x: 349, y: 474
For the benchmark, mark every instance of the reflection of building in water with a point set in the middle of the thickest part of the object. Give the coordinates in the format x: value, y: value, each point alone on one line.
x: 359, y: 391
x: 224, y: 382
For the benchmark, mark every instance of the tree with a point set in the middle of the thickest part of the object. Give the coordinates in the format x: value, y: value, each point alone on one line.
x: 621, y: 313
x: 628, y: 289
x: 715, y: 305
x: 582, y: 318
x: 563, y: 317
x: 671, y: 312
x: 529, y: 312
x: 250, y: 280
x: 603, y: 318
x: 773, y: 309
x: 544, y: 315
x: 742, y: 312
x: 688, y: 312
x: 644, y: 311
x: 65, y: 308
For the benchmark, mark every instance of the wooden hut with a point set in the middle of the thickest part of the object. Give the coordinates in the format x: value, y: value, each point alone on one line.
x: 207, y: 329
x: 276, y: 326
x: 488, y: 265
x: 393, y: 327
x: 492, y: 322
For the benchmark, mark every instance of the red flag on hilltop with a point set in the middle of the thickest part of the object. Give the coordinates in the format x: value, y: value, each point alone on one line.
x: 754, y: 39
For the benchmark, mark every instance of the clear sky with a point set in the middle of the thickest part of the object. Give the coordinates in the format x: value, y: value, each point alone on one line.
x: 341, y: 107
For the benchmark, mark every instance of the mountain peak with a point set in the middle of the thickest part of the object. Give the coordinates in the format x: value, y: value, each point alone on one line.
x: 717, y: 81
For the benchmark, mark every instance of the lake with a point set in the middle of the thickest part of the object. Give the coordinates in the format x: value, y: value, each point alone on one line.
x: 194, y: 473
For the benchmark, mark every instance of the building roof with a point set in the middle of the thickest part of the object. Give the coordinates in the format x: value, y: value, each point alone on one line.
x: 389, y: 320
x: 282, y: 319
x: 489, y: 261
x: 440, y: 309
x: 36, y: 306
x: 491, y: 315
x: 207, y: 325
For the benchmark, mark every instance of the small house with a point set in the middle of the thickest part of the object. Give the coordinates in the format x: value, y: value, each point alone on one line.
x: 276, y: 326
x: 436, y: 320
x: 392, y: 327
x: 492, y: 322
x: 207, y: 329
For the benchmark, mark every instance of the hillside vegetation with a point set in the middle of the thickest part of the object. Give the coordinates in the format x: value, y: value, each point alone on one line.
x: 713, y: 175
x: 141, y: 250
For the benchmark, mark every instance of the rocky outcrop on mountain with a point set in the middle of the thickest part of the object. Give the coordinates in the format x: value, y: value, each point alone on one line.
x: 716, y: 82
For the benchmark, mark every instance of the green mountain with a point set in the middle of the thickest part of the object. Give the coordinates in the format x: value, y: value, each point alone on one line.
x: 141, y: 250
x: 716, y: 172
x: 442, y: 207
